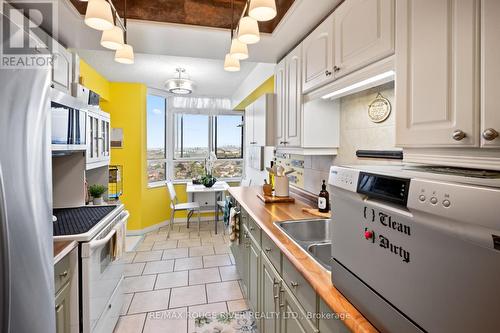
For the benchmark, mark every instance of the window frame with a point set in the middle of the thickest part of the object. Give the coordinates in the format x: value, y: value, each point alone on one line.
x: 165, y: 138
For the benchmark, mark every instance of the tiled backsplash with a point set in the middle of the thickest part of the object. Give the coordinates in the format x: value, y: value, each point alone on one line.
x: 357, y: 131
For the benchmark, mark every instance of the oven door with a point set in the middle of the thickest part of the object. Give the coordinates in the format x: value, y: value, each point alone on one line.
x: 101, y: 280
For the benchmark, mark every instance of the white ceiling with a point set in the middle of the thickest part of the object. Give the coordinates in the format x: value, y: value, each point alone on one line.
x: 160, y: 48
x: 153, y: 70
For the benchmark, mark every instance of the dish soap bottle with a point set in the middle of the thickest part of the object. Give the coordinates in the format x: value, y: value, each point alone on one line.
x: 324, y: 199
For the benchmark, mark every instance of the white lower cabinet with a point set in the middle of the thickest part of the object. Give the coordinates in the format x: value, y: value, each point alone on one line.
x: 437, y: 71
x: 284, y: 301
x: 63, y: 309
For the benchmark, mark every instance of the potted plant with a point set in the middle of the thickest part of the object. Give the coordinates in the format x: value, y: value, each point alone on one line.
x: 96, y: 191
x: 208, y: 180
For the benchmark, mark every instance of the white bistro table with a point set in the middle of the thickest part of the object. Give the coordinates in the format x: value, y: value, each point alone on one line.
x: 218, y: 189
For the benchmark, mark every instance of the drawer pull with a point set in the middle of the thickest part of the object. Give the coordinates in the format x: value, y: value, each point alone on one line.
x: 294, y: 284
x: 64, y: 274
x: 267, y: 249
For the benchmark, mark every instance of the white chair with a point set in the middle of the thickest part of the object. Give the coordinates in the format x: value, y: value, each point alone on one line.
x: 175, y: 206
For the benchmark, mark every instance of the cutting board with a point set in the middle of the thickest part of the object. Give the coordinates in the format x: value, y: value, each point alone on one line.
x: 316, y: 212
x: 271, y: 199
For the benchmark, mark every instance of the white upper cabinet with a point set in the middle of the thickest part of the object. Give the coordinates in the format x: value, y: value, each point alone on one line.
x: 294, y: 98
x: 98, y: 139
x: 317, y: 56
x: 61, y: 68
x: 363, y: 34
x: 259, y: 121
x: 490, y: 73
x: 437, y: 73
x: 281, y: 100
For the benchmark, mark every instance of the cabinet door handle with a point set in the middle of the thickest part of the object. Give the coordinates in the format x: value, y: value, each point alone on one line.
x: 328, y: 73
x: 458, y: 135
x: 267, y: 249
x: 490, y: 134
x: 64, y: 274
x: 294, y: 284
x: 282, y: 305
x: 336, y: 69
x: 252, y: 228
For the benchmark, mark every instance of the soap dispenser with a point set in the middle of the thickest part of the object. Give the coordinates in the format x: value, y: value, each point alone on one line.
x: 324, y: 199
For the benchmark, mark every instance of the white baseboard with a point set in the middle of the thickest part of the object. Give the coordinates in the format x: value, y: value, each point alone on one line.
x: 157, y: 226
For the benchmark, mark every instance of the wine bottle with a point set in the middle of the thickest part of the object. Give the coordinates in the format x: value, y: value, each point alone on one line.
x: 324, y: 199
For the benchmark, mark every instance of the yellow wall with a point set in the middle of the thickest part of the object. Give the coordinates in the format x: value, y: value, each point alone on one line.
x: 91, y: 79
x: 265, y: 88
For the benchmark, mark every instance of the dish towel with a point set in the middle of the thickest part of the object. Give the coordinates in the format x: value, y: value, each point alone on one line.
x: 118, y: 242
x: 234, y: 223
x: 227, y: 207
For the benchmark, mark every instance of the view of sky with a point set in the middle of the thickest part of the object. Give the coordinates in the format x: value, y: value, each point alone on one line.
x: 195, y: 127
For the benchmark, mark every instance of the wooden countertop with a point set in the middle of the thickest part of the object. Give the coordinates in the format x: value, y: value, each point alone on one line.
x: 62, y: 248
x: 317, y: 276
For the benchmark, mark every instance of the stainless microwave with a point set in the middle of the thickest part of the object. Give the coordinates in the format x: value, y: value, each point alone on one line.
x: 69, y: 123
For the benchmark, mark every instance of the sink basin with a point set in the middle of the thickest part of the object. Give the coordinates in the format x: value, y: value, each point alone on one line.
x: 322, y: 253
x: 307, y: 230
x: 313, y: 236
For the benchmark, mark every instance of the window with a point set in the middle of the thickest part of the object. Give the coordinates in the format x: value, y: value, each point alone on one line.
x: 156, y: 139
x: 228, y: 146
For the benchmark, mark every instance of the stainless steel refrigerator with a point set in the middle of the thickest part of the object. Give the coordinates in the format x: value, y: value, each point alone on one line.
x: 26, y: 248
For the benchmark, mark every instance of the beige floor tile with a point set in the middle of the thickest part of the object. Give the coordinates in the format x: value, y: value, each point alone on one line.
x: 204, y: 310
x: 148, y: 256
x: 237, y: 305
x: 130, y: 324
x: 155, y: 238
x: 189, y: 243
x: 135, y: 284
x: 150, y: 301
x: 175, y: 253
x: 164, y: 245
x: 155, y: 267
x: 229, y: 273
x: 128, y: 257
x: 201, y: 251
x: 221, y: 248
x: 188, y: 263
x: 216, y: 260
x: 185, y: 296
x: 134, y: 269
x: 170, y: 321
x: 144, y: 247
x: 212, y: 240
x: 223, y: 291
x: 170, y: 280
x: 203, y: 234
x: 127, y: 299
x: 205, y: 275
x: 178, y: 236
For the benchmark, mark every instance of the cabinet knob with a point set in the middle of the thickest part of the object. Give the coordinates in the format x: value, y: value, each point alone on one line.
x: 458, y: 135
x: 336, y: 69
x: 490, y: 134
x: 328, y: 73
x: 294, y: 284
x: 267, y: 249
x: 64, y: 274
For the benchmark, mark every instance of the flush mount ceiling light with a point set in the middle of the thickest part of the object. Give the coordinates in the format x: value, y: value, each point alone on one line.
x: 238, y: 50
x: 231, y: 64
x: 99, y: 15
x: 248, y: 31
x: 180, y: 85
x: 113, y: 39
x: 125, y: 55
x: 262, y: 10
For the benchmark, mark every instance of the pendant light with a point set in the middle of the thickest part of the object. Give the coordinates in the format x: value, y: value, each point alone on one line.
x: 262, y: 10
x: 180, y: 85
x: 248, y: 31
x: 231, y: 64
x: 113, y: 39
x: 99, y: 15
x: 238, y: 50
x: 125, y: 55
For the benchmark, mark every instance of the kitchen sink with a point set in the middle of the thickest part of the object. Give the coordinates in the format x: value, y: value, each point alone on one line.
x: 313, y: 236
